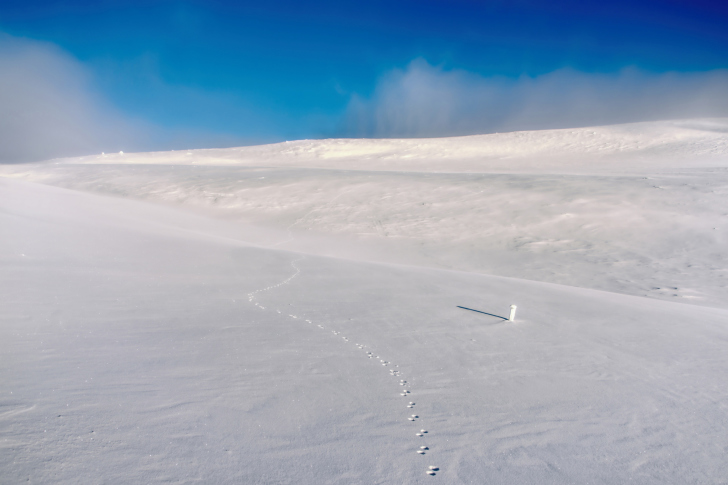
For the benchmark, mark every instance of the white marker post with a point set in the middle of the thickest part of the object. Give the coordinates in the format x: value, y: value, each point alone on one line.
x: 512, y: 316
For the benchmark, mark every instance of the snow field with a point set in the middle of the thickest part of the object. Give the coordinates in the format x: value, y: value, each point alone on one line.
x: 281, y: 340
x: 394, y: 373
x: 642, y: 221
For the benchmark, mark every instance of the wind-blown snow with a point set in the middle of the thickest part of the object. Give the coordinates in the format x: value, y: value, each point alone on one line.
x: 192, y: 328
x: 637, y: 209
x: 617, y: 148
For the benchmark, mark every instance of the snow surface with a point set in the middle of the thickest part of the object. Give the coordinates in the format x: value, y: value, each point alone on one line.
x: 638, y: 209
x: 243, y: 315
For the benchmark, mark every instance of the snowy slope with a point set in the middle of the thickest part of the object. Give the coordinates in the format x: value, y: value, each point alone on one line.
x: 142, y: 345
x: 638, y: 209
x: 629, y: 147
x: 248, y: 315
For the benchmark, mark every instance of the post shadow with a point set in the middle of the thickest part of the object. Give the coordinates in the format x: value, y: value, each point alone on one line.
x: 484, y: 313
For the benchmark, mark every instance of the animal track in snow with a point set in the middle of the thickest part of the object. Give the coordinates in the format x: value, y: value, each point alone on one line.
x: 369, y: 354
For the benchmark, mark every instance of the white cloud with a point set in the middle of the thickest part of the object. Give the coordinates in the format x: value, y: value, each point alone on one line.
x: 49, y: 108
x: 423, y: 100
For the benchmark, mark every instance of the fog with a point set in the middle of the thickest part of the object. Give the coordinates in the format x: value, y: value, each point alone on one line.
x: 424, y: 100
x: 49, y: 106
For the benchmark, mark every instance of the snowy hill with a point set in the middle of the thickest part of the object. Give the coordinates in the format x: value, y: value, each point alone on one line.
x: 332, y: 311
x: 637, y: 209
x: 628, y: 147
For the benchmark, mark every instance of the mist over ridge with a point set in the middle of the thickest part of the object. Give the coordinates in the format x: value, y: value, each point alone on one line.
x: 51, y: 106
x: 428, y: 101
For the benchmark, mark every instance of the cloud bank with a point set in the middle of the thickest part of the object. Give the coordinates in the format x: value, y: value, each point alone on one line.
x: 49, y: 108
x: 423, y: 101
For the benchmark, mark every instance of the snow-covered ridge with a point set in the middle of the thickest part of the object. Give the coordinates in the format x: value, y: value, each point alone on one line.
x: 616, y: 147
x: 637, y: 209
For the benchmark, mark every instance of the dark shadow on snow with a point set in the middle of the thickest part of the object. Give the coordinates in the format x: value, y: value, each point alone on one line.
x: 484, y: 313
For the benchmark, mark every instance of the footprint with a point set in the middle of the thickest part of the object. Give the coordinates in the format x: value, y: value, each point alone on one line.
x: 370, y: 355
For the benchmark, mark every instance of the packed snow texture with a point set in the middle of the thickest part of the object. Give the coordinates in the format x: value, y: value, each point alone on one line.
x: 243, y: 315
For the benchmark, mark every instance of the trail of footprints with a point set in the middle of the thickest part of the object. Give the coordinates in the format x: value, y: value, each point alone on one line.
x: 422, y: 450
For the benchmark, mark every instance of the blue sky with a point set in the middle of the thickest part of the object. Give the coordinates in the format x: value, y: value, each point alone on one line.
x: 221, y: 73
